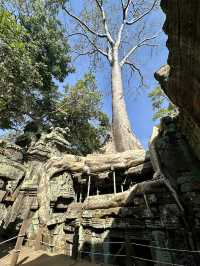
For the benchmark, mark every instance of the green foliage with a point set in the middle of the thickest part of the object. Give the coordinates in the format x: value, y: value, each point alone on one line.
x: 80, y: 110
x: 34, y: 53
x: 33, y: 50
x: 162, y: 106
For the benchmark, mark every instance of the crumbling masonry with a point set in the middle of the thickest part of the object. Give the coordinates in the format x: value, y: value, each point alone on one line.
x: 131, y: 208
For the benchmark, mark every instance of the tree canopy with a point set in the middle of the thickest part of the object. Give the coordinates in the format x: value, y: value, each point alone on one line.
x: 81, y: 111
x: 33, y: 52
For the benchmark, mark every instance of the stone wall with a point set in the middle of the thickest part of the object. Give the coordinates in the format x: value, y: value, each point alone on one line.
x: 149, y: 208
x: 182, y: 28
x: 191, y: 131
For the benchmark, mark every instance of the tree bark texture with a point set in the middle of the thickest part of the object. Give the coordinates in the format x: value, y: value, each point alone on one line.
x: 124, y: 138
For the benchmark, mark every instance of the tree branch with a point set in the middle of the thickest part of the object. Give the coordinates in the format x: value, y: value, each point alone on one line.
x: 126, y: 8
x: 83, y: 23
x: 91, y: 42
x: 108, y: 35
x: 133, y: 49
x: 125, y: 13
x: 135, y: 68
x: 91, y: 52
x: 133, y: 21
x: 122, y: 4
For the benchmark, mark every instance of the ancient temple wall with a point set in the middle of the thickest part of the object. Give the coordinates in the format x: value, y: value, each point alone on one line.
x: 145, y: 212
x: 191, y: 131
x: 183, y: 31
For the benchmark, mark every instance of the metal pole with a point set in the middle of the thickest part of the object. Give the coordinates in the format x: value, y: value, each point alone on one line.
x: 80, y: 193
x: 89, y: 182
x: 114, y: 179
x: 80, y: 196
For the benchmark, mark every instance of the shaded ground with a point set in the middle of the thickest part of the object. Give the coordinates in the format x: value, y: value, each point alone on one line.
x: 29, y: 257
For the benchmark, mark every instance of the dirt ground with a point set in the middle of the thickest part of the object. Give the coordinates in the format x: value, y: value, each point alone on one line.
x: 29, y: 257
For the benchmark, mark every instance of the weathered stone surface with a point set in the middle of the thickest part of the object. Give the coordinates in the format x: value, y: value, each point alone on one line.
x: 63, y: 213
x: 180, y: 78
x: 182, y: 28
x: 11, y: 170
x: 11, y: 151
x: 48, y: 145
x: 61, y: 186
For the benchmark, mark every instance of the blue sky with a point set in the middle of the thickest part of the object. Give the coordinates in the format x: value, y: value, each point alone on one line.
x: 139, y: 106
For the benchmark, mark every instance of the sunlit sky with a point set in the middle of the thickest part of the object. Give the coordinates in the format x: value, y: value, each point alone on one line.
x: 139, y: 105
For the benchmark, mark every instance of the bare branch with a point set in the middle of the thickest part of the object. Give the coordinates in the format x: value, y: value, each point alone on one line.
x: 135, y: 68
x: 91, y: 52
x: 108, y: 35
x: 133, y: 21
x: 122, y: 4
x: 84, y: 24
x: 125, y: 13
x: 126, y: 8
x: 133, y: 49
x: 91, y: 42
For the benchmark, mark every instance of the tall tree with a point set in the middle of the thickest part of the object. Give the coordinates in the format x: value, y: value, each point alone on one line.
x: 110, y: 37
x: 33, y: 52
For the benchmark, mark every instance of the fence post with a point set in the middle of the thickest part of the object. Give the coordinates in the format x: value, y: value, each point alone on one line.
x: 21, y: 235
x: 114, y: 179
x: 89, y: 182
x: 80, y: 234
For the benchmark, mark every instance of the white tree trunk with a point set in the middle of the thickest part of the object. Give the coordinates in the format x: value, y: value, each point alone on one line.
x: 123, y: 137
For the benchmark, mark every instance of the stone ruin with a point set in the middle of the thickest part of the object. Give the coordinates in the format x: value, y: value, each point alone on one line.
x: 102, y: 204
x: 136, y: 207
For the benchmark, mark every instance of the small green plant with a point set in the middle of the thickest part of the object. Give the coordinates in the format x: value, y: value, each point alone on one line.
x: 162, y: 105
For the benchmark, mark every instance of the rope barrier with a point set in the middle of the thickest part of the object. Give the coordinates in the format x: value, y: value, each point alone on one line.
x: 8, y: 240
x: 157, y: 261
x: 118, y: 255
x: 167, y: 249
x: 104, y: 254
x: 134, y: 257
x: 150, y: 246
